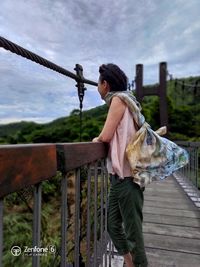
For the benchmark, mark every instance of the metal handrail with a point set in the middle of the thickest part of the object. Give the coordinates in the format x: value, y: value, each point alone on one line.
x: 192, y: 170
x: 29, y: 165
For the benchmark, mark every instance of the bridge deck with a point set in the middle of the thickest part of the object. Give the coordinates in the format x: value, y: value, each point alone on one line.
x: 171, y: 226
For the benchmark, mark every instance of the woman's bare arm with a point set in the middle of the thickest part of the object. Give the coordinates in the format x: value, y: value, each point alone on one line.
x: 115, y: 114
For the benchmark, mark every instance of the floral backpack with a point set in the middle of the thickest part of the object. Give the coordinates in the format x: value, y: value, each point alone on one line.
x: 151, y: 156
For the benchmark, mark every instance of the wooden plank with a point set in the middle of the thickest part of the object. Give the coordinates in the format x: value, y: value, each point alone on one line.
x: 171, y: 226
x: 169, y: 182
x: 172, y: 243
x: 173, y: 220
x: 171, y: 230
x: 184, y: 199
x: 165, y: 258
x: 164, y: 191
x: 163, y: 186
x: 25, y: 165
x: 172, y: 212
x: 74, y: 155
x: 168, y: 196
x: 173, y: 205
x: 167, y: 193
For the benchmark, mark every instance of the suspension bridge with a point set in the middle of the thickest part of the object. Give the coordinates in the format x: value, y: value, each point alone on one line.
x: 171, y: 208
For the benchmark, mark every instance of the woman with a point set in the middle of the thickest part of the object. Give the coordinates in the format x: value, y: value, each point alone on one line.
x: 125, y: 197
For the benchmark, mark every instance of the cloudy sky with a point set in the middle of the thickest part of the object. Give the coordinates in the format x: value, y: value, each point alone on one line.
x: 90, y: 32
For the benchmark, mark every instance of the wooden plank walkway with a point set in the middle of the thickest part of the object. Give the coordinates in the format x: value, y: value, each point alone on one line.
x: 171, y: 226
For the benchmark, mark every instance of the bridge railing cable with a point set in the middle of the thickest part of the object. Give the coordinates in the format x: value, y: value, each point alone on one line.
x: 78, y: 77
x: 14, y: 48
x: 189, y: 176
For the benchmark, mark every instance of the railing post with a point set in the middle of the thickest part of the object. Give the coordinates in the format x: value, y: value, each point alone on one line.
x: 1, y: 232
x: 139, y: 82
x: 95, y: 211
x: 197, y: 168
x: 64, y: 221
x: 77, y: 253
x: 36, y: 222
x: 163, y: 94
x: 102, y: 250
x: 106, y: 211
x: 88, y: 216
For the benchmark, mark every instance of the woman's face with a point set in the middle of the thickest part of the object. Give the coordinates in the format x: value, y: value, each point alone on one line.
x: 103, y: 88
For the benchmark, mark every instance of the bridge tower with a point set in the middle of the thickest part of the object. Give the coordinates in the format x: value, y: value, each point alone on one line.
x: 160, y: 90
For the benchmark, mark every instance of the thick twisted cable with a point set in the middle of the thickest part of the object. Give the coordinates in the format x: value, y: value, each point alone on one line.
x: 14, y: 48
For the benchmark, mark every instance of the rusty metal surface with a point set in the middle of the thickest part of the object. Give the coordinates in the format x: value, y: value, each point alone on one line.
x: 74, y: 155
x: 25, y: 165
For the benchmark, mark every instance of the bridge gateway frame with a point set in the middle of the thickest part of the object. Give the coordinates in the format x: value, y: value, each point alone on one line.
x: 159, y: 90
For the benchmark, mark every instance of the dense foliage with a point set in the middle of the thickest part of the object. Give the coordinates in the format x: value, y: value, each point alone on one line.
x: 183, y: 111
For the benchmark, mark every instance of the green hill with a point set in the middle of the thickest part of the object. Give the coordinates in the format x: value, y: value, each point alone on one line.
x: 183, y: 110
x: 66, y: 129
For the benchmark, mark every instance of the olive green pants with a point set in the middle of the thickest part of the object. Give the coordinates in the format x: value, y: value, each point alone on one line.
x: 125, y: 218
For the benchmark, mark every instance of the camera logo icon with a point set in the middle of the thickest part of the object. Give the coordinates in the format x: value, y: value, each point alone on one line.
x: 16, y: 251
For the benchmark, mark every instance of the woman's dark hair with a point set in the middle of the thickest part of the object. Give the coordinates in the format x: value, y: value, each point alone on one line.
x: 114, y: 76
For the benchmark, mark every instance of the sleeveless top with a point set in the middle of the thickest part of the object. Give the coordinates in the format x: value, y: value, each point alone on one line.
x: 117, y: 162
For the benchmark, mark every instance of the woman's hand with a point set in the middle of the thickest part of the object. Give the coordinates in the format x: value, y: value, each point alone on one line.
x: 96, y: 140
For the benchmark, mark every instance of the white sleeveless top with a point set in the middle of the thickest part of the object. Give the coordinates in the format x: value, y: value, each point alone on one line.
x: 117, y: 162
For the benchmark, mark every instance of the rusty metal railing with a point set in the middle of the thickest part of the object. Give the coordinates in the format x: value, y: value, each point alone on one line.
x: 192, y: 170
x: 189, y: 176
x: 83, y: 234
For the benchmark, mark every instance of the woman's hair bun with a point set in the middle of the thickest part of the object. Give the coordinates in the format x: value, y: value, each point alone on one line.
x: 114, y: 76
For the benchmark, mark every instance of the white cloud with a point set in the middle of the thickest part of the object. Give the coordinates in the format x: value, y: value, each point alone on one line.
x: 28, y: 119
x: 90, y: 33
